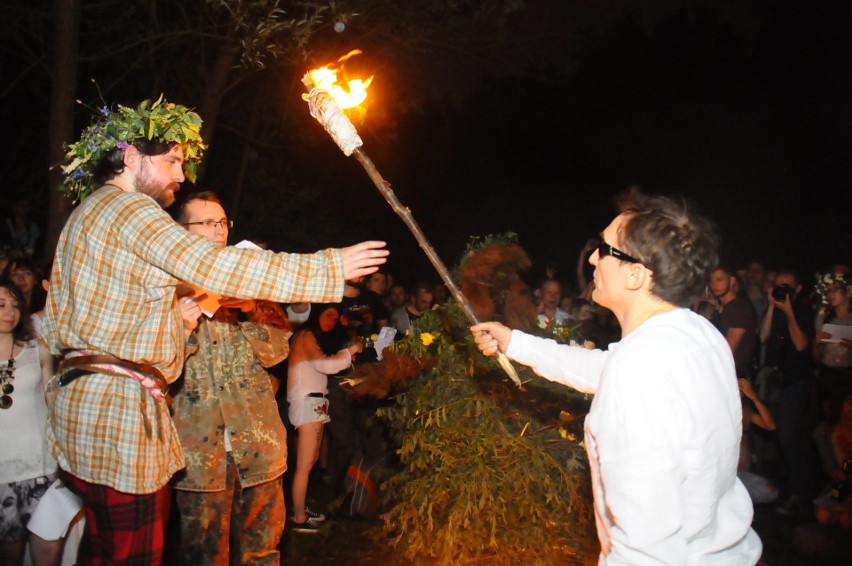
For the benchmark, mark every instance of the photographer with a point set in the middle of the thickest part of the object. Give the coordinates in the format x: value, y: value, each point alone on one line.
x: 787, y: 330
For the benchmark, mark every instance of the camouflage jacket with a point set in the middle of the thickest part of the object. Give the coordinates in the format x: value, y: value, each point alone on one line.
x: 224, y: 385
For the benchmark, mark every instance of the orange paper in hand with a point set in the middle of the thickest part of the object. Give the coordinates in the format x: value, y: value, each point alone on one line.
x: 207, y: 301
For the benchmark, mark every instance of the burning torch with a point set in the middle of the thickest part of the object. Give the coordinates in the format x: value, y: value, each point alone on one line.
x: 326, y: 99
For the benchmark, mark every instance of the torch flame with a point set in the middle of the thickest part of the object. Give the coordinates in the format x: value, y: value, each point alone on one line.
x: 347, y: 93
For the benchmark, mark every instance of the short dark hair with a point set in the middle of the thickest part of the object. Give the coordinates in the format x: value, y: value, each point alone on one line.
x: 548, y: 280
x: 178, y: 211
x: 678, y: 245
x: 112, y: 163
x: 421, y: 285
x: 792, y: 273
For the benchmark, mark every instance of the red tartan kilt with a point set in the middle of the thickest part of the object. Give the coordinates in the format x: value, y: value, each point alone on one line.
x: 121, y: 527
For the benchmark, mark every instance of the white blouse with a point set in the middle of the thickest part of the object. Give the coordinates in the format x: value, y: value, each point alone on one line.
x: 23, y: 446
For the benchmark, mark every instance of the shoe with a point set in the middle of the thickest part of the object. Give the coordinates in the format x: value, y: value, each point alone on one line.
x: 791, y: 506
x: 310, y: 526
x: 318, y: 517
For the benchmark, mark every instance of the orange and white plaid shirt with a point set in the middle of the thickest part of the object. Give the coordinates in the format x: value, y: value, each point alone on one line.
x: 112, y: 291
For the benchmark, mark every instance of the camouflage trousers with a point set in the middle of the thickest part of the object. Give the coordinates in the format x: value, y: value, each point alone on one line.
x: 235, y: 526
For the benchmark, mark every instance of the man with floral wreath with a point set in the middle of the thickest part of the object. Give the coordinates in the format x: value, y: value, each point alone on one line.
x: 113, y: 315
x: 230, y: 497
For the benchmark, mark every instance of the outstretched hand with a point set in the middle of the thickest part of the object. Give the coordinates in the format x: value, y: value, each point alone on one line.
x: 363, y: 259
x: 491, y: 337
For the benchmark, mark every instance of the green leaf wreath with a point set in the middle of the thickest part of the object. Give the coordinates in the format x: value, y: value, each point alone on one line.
x: 159, y: 121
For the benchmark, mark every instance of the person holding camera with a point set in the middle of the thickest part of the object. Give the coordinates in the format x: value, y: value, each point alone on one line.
x: 787, y: 331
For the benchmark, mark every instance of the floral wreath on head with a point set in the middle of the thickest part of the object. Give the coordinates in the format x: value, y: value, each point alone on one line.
x: 825, y: 280
x: 160, y: 121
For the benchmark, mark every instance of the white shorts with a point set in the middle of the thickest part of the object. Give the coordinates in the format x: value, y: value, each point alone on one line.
x: 308, y: 409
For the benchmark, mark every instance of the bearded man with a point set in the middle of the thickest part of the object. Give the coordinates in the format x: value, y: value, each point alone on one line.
x: 113, y: 315
x: 735, y: 318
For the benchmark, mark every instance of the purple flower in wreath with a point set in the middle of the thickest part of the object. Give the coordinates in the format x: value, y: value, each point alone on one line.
x: 122, y: 145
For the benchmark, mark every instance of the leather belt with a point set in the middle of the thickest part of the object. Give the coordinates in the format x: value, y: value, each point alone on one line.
x: 72, y: 367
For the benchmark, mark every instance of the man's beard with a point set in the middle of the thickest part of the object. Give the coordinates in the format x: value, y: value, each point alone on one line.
x: 164, y: 195
x: 724, y: 293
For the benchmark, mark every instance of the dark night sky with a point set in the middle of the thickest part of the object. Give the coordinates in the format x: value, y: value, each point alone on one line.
x: 743, y: 107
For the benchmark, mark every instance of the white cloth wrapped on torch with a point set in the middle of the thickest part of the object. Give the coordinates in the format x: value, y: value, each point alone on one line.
x: 325, y: 109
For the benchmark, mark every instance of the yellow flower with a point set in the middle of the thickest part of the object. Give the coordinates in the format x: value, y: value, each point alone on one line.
x: 426, y: 338
x: 374, y: 337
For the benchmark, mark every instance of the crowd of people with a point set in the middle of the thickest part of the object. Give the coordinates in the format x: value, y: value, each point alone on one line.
x: 792, y: 345
x: 145, y: 363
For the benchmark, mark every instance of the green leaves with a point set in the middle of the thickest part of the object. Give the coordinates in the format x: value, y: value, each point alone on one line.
x: 471, y: 489
x: 160, y: 121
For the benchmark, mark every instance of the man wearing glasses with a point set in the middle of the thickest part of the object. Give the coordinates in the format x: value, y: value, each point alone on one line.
x: 664, y: 428
x: 233, y: 440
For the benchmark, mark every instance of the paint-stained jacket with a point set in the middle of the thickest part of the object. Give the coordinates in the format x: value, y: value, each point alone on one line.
x: 224, y: 385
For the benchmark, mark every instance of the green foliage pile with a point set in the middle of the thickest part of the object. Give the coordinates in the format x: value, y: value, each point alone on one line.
x: 492, y: 475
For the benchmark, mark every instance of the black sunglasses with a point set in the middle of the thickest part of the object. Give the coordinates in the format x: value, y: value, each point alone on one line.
x: 605, y: 249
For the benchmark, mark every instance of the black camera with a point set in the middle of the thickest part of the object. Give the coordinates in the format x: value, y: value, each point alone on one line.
x: 781, y: 292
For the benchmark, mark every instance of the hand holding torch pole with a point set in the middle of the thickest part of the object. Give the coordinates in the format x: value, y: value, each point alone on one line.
x: 326, y: 110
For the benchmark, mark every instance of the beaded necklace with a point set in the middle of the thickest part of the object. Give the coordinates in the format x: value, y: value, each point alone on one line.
x: 7, y: 376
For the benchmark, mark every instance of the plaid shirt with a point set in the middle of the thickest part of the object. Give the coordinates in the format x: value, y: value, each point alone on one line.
x: 112, y: 291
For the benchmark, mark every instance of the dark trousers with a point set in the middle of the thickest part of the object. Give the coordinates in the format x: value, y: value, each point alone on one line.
x: 791, y: 417
x: 342, y: 432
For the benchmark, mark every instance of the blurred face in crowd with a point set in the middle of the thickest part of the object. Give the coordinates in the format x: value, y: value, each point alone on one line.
x: 837, y: 295
x: 720, y: 283
x: 378, y: 283
x: 440, y: 293
x: 159, y: 176
x: 551, y: 294
x: 207, y: 218
x: 755, y: 273
x: 787, y: 279
x: 398, y: 296
x: 10, y: 311
x: 328, y: 319
x: 423, y: 300
x: 23, y: 278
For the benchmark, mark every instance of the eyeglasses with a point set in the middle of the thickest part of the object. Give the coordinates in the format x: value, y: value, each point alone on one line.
x: 605, y: 249
x: 224, y: 223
